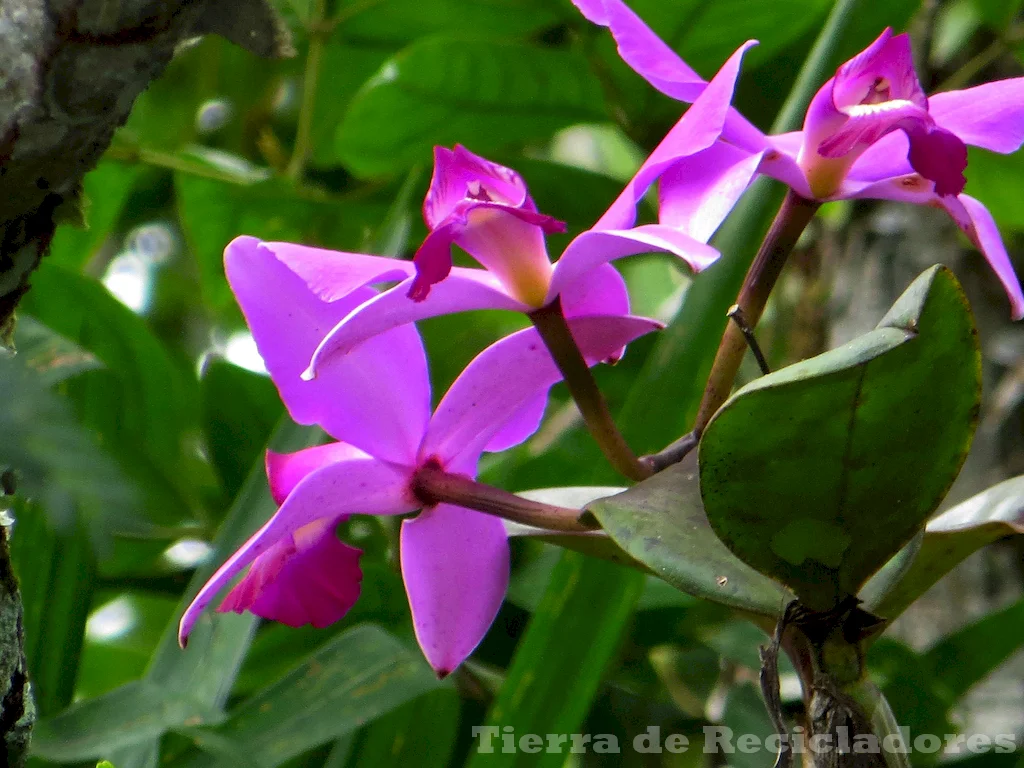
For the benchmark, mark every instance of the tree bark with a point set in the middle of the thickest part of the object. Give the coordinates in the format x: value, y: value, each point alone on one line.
x: 70, y: 71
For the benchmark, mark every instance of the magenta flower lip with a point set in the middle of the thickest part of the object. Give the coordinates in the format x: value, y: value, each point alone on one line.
x: 869, y: 132
x: 375, y: 402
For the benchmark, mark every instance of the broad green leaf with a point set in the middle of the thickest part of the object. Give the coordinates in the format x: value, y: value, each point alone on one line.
x: 361, y: 675
x: 819, y: 473
x: 952, y: 536
x: 240, y: 409
x: 744, y: 713
x: 661, y: 523
x: 596, y: 543
x: 560, y: 662
x: 420, y: 733
x: 144, y: 404
x: 969, y: 655
x: 56, y: 572
x: 446, y: 90
x: 997, y: 14
x: 706, y: 33
x: 105, y: 190
x: 59, y: 464
x: 404, y: 21
x: 130, y: 716
x: 994, y: 178
x: 50, y: 355
x: 214, y: 213
x: 181, y: 687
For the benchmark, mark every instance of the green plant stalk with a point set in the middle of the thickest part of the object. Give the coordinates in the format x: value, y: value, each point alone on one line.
x: 554, y: 331
x: 310, y: 76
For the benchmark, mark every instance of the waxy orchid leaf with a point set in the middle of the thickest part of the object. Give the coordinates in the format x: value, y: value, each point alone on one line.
x: 819, y: 473
x: 949, y: 538
x: 595, y: 543
x: 661, y: 523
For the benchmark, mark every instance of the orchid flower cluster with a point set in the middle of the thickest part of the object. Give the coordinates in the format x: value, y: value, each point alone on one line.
x: 337, y: 330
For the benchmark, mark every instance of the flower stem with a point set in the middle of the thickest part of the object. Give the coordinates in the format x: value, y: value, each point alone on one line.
x: 793, y: 217
x: 554, y: 330
x: 432, y: 485
x: 304, y: 129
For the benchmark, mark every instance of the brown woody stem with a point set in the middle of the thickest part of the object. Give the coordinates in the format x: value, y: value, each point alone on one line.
x: 554, y: 330
x: 432, y: 485
x: 793, y: 217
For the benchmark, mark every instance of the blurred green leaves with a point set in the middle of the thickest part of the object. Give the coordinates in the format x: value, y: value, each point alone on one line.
x: 484, y: 94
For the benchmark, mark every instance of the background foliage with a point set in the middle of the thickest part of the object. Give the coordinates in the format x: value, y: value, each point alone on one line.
x: 137, y: 432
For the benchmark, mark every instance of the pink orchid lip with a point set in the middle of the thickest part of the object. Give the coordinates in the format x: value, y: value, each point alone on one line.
x: 485, y: 209
x: 871, y: 95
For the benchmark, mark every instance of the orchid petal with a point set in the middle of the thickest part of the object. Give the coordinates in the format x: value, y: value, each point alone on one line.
x: 363, y: 486
x: 696, y: 130
x: 377, y: 399
x: 455, y: 565
x: 985, y: 235
x: 309, y: 577
x: 460, y: 174
x: 485, y: 396
x: 990, y: 116
x: 644, y: 51
x: 970, y: 215
x: 520, y: 425
x: 869, y: 125
x: 881, y: 72
x: 598, y: 291
x: 595, y: 247
x: 287, y: 470
x: 462, y: 291
x: 333, y: 275
x: 885, y: 159
x: 698, y: 192
x: 502, y: 238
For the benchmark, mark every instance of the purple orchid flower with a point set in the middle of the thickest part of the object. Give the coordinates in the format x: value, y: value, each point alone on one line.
x: 869, y: 132
x: 485, y: 209
x: 376, y: 402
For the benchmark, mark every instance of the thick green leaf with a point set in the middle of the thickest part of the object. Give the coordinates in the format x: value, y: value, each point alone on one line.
x: 446, y: 90
x: 361, y: 675
x: 559, y: 664
x: 819, y: 473
x: 661, y: 523
x: 952, y: 536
